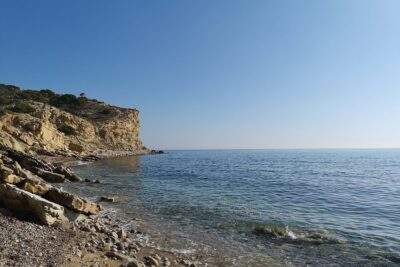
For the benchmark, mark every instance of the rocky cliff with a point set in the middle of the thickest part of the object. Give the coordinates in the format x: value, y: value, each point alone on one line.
x: 70, y: 124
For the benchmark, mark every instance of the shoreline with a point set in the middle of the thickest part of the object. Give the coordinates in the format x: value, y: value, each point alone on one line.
x: 101, y: 239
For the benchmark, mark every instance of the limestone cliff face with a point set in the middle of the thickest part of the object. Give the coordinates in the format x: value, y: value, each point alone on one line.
x: 117, y: 129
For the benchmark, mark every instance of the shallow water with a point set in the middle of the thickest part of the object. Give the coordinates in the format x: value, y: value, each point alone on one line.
x: 262, y: 207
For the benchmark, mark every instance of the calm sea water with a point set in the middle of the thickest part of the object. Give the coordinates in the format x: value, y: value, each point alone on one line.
x: 262, y: 207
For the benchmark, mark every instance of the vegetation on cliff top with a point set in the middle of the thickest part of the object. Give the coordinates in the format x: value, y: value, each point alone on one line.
x: 14, y: 99
x: 11, y: 94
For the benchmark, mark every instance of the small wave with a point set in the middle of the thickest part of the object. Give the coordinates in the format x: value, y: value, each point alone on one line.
x: 283, y: 233
x: 81, y: 163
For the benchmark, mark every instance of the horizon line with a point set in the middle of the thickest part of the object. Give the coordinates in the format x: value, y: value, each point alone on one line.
x: 301, y: 148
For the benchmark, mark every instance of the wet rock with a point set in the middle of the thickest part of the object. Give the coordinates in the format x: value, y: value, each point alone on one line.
x: 97, y: 181
x: 71, y: 201
x: 21, y: 201
x: 109, y: 199
x: 68, y: 173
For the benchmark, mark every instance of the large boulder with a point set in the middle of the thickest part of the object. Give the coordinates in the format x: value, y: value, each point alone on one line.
x: 49, y: 176
x: 36, y: 187
x: 76, y: 147
x: 19, y: 200
x: 18, y: 170
x: 7, y: 176
x: 29, y: 162
x: 5, y: 171
x: 71, y: 201
x: 12, y: 179
x: 68, y: 173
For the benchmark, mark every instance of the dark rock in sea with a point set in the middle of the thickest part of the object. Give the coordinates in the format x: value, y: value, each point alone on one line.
x: 68, y: 173
x: 109, y: 199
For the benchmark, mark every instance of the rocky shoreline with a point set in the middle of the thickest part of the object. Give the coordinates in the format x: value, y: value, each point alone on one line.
x: 42, y: 225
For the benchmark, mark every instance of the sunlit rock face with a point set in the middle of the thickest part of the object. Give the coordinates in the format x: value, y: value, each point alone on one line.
x: 97, y: 127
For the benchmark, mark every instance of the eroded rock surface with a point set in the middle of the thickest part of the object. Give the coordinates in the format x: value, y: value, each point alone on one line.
x: 20, y: 200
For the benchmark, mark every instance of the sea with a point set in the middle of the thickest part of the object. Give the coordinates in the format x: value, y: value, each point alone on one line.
x: 333, y: 207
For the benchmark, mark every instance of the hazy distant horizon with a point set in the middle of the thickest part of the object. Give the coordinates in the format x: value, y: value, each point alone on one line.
x: 298, y: 148
x: 222, y: 75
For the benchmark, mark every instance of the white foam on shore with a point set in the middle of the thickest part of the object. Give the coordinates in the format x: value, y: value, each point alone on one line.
x: 81, y: 162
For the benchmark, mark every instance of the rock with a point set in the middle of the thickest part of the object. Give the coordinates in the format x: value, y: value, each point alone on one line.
x: 135, y: 263
x: 36, y: 187
x: 18, y: 170
x: 122, y: 234
x: 49, y: 176
x: 157, y: 257
x: 75, y: 147
x: 29, y: 162
x: 151, y: 261
x: 71, y: 201
x: 166, y: 262
x: 114, y: 235
x: 21, y: 201
x: 68, y: 173
x: 5, y: 171
x: 107, y: 247
x: 113, y: 254
x: 87, y: 180
x: 98, y: 181
x: 109, y: 199
x: 120, y: 246
x: 12, y: 179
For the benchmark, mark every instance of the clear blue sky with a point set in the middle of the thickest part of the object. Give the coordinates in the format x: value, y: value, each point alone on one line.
x: 219, y: 74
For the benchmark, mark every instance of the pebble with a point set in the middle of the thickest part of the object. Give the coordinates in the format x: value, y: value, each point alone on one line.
x: 135, y: 263
x: 122, y: 234
x: 152, y: 261
x: 114, y: 235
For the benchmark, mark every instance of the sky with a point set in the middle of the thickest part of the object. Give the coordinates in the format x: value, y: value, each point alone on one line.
x: 219, y: 74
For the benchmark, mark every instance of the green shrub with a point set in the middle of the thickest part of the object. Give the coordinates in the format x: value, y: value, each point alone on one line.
x: 23, y: 108
x: 47, y: 93
x: 106, y: 111
x: 67, y: 130
x: 4, y: 100
x: 65, y: 100
x: 9, y: 88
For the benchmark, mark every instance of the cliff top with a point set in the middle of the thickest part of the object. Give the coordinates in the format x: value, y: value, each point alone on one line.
x: 15, y: 99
